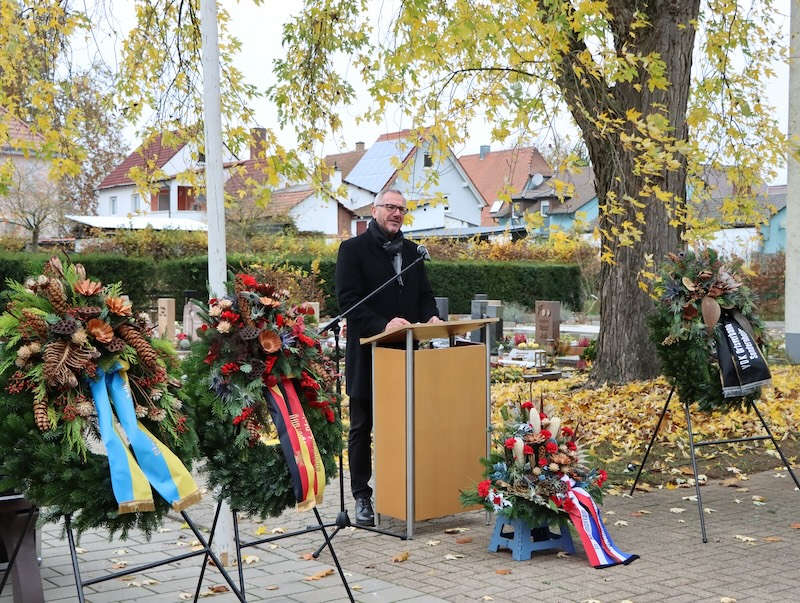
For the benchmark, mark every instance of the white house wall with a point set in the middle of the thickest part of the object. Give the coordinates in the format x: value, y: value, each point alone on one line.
x: 125, y: 200
x: 463, y: 205
x: 317, y: 213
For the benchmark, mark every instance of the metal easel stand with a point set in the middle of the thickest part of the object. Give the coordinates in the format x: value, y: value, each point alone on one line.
x: 693, y: 445
x: 320, y: 527
x: 13, y: 557
x: 81, y: 584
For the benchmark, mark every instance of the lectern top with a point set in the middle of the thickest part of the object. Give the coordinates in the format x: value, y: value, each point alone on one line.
x: 423, y: 331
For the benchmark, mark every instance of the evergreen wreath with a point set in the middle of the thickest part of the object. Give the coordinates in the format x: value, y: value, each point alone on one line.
x: 251, y: 338
x: 57, y: 329
x: 532, y: 454
x: 692, y: 289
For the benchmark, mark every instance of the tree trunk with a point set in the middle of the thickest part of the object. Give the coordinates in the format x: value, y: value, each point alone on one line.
x: 33, y: 246
x: 624, y: 351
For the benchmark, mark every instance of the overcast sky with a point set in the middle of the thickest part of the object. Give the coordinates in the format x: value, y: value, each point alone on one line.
x: 259, y: 28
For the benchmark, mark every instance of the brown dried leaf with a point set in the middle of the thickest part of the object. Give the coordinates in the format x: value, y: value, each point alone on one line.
x: 219, y: 588
x: 100, y: 330
x: 270, y: 341
x: 463, y: 540
x: 400, y: 557
x: 319, y: 575
x: 275, y: 587
x: 503, y: 572
x: 688, y: 283
x: 307, y: 556
x: 773, y: 539
x: 795, y: 526
x: 711, y: 311
x: 456, y: 530
x: 118, y: 306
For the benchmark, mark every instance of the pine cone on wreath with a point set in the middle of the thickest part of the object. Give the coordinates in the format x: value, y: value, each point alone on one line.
x: 57, y: 297
x: 252, y: 427
x: 33, y: 324
x: 147, y: 355
x: 40, y: 414
x: 53, y: 268
x: 244, y: 305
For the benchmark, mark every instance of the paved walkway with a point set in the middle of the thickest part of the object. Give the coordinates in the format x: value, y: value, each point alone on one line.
x: 751, y: 555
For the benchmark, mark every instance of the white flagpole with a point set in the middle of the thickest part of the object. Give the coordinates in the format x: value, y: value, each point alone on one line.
x: 223, y: 544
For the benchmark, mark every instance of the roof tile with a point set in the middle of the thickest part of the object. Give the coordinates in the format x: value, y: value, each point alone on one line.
x: 152, y: 149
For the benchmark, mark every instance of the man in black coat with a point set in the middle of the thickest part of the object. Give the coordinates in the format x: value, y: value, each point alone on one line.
x: 364, y: 263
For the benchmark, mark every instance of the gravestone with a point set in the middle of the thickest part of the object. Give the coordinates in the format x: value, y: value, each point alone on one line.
x: 495, y: 310
x: 443, y: 307
x: 166, y: 318
x: 479, y: 309
x: 191, y: 319
x: 548, y: 322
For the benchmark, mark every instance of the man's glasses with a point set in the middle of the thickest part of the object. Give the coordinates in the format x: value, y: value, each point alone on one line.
x: 394, y: 208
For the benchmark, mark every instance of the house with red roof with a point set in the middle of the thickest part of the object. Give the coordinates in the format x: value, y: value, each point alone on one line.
x: 436, y: 186
x: 30, y: 196
x: 173, y: 203
x: 502, y: 175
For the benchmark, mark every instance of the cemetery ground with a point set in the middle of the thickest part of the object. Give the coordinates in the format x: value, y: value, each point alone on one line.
x: 750, y: 503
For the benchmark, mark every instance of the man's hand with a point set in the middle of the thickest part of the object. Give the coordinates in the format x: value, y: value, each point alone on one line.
x: 435, y: 319
x: 396, y: 322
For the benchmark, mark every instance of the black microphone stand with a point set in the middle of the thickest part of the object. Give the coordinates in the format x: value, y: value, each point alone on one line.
x: 342, y: 518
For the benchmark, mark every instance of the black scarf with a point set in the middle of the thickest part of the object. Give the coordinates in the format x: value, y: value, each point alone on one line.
x: 392, y: 247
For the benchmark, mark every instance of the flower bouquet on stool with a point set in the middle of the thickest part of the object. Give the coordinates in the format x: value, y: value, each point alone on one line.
x: 538, y: 474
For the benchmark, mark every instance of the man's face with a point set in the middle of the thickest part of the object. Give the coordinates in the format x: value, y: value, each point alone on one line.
x: 388, y: 214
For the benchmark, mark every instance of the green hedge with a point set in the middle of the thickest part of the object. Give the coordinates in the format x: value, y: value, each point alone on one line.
x: 144, y: 278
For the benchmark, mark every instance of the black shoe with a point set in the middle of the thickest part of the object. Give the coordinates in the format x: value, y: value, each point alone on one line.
x: 365, y: 516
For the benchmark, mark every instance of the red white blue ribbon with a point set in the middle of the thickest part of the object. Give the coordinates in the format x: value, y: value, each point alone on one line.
x: 585, y: 516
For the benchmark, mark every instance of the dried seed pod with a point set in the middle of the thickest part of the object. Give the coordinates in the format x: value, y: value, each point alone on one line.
x: 88, y: 312
x: 65, y: 326
x: 115, y: 345
x: 248, y: 332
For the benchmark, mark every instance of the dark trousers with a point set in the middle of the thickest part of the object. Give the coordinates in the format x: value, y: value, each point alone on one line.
x: 359, y: 446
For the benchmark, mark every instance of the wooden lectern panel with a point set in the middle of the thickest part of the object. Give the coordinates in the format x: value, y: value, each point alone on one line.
x: 389, y: 391
x: 450, y: 428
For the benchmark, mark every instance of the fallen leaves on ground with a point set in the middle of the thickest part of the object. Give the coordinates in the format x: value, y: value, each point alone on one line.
x: 562, y: 555
x: 456, y: 530
x: 277, y: 531
x: 118, y: 564
x: 433, y: 542
x: 502, y: 572
x: 795, y: 526
x: 356, y: 587
x: 400, y: 557
x: 453, y: 556
x: 676, y: 510
x: 275, y: 587
x: 319, y: 575
x: 80, y: 550
x: 307, y: 556
x: 215, y: 590
x: 773, y: 539
x: 250, y: 559
x: 261, y: 530
x: 620, y: 522
x: 747, y: 539
x: 727, y: 600
x: 463, y: 540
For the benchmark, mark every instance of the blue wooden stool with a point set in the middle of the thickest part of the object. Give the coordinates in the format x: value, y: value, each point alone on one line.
x: 524, y: 540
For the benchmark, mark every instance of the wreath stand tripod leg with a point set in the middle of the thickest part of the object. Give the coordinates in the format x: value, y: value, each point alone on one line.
x: 652, y: 439
x: 238, y: 550
x: 329, y: 544
x: 694, y: 470
x: 74, y: 555
x: 205, y: 556
x: 775, y: 443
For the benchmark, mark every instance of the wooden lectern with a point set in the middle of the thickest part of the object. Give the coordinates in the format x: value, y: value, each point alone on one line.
x: 431, y: 414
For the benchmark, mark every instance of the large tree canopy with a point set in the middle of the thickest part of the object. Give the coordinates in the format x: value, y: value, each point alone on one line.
x: 660, y: 91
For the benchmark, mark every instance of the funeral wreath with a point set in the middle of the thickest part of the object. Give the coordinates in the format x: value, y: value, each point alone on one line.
x: 88, y: 411
x: 260, y: 388
x: 707, y: 331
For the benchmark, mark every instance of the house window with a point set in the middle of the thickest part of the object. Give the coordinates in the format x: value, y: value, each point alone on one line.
x: 427, y: 161
x: 544, y: 209
x: 113, y: 206
x: 163, y: 199
x: 135, y: 202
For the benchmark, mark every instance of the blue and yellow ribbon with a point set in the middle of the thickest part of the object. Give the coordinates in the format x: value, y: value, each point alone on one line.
x: 155, y: 464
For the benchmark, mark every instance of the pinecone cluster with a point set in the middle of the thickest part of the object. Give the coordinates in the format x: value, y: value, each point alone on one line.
x: 147, y: 355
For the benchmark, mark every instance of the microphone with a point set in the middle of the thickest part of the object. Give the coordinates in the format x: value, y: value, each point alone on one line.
x: 423, y: 251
